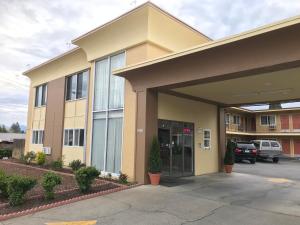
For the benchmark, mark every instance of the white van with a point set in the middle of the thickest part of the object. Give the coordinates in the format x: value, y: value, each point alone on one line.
x: 268, y: 149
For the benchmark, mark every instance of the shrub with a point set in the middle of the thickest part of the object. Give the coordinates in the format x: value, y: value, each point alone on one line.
x: 123, y: 178
x: 40, y: 158
x: 29, y: 157
x: 49, y: 181
x: 3, y: 184
x: 17, y: 187
x: 57, y: 164
x: 85, y: 177
x: 229, y: 154
x: 5, y: 152
x: 76, y: 165
x: 155, y: 160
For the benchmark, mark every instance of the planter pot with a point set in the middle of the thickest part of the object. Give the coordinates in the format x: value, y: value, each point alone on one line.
x: 228, y: 168
x: 154, y: 178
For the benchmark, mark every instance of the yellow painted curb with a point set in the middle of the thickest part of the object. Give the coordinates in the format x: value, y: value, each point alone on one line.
x: 90, y: 222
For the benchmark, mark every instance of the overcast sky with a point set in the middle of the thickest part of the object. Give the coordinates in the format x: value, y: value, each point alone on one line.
x: 33, y: 31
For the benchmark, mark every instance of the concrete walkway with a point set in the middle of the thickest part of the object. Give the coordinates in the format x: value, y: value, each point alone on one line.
x: 217, y: 199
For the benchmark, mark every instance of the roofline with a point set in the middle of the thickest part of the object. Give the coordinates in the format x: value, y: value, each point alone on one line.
x: 51, y: 60
x: 265, y: 110
x: 131, y: 11
x: 271, y: 134
x: 209, y: 45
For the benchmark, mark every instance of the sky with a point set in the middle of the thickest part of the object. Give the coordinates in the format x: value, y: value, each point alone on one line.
x: 33, y: 31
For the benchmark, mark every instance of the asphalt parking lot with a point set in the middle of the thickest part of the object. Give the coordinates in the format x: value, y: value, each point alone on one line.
x: 289, y: 169
x: 260, y: 194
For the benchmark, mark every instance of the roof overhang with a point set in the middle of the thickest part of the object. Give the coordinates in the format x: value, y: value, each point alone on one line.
x: 259, y: 66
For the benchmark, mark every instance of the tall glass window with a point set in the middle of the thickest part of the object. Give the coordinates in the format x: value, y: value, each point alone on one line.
x: 108, y: 114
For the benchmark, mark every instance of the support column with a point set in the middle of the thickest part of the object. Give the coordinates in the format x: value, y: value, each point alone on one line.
x: 221, y: 137
x: 146, y: 129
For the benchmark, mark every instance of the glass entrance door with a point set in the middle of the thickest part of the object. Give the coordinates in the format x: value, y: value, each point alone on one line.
x: 176, y: 147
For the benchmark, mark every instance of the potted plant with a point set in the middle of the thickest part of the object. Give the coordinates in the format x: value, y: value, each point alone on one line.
x: 154, y: 162
x: 229, y: 156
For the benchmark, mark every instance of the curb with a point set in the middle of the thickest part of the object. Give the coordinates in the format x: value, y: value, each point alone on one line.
x: 64, y: 202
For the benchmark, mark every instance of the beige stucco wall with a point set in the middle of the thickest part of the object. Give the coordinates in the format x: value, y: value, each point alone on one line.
x: 75, y: 118
x: 204, y: 116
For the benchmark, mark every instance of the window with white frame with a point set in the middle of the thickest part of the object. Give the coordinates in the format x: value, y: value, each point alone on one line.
x: 236, y: 119
x: 76, y: 86
x: 37, y: 137
x: 108, y: 110
x: 74, y: 137
x: 40, y: 95
x: 267, y: 120
x: 227, y: 118
x: 207, y: 138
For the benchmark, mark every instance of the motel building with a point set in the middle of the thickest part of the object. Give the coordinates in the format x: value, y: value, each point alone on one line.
x: 146, y: 74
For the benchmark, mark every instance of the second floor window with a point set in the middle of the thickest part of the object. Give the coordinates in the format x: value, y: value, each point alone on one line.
x: 40, y: 95
x: 77, y: 86
x: 267, y: 120
x: 236, y: 120
x: 227, y: 118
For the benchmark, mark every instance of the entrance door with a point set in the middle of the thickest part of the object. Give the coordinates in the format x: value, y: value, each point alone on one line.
x: 177, y: 147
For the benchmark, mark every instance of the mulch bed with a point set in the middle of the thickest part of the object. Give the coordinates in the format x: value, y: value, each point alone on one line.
x: 64, y: 192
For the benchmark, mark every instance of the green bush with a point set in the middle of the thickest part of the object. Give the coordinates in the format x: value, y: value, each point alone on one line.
x: 85, y: 177
x: 155, y: 160
x: 76, y: 165
x: 3, y: 184
x: 57, y: 164
x: 17, y: 187
x: 229, y: 154
x: 29, y: 157
x: 5, y: 152
x: 49, y: 181
x: 40, y: 158
x: 123, y: 178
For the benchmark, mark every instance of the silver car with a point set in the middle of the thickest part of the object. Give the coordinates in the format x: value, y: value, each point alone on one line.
x: 268, y: 149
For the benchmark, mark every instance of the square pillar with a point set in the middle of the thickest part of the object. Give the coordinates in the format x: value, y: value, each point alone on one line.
x: 146, y: 129
x: 221, y: 137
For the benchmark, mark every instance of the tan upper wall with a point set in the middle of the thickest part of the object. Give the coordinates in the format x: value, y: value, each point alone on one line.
x: 64, y: 65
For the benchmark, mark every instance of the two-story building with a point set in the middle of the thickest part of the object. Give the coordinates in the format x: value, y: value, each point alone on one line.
x: 147, y: 74
x: 282, y: 125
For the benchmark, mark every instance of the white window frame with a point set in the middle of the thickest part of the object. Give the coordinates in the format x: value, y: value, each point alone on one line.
x: 268, y: 120
x: 40, y: 137
x: 239, y: 120
x: 227, y: 118
x: 206, y: 139
x: 73, y: 139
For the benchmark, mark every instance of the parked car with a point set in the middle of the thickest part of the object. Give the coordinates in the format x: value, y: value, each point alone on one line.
x: 268, y: 149
x: 245, y: 151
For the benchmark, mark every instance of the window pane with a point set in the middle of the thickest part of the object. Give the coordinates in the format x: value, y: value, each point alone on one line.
x: 265, y: 144
x: 79, y: 85
x: 206, y: 143
x: 116, y: 88
x: 40, y: 95
x: 69, y: 88
x: 44, y: 94
x: 70, y: 143
x: 33, y: 137
x: 114, y: 145
x: 81, y: 137
x: 36, y: 140
x: 272, y: 120
x: 84, y: 84
x: 101, y: 85
x: 66, y: 137
x: 36, y: 96
x: 98, y: 144
x: 74, y: 87
x: 76, y: 137
x: 206, y: 134
x: 264, y: 120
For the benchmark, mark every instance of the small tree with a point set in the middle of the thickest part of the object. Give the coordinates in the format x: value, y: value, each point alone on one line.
x: 85, y: 177
x: 229, y: 154
x: 17, y: 187
x: 3, y: 184
x: 15, y: 128
x: 155, y: 160
x: 76, y: 165
x: 40, y: 158
x: 49, y: 181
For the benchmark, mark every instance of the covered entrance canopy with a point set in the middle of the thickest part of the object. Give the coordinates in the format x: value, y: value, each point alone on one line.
x: 260, y: 66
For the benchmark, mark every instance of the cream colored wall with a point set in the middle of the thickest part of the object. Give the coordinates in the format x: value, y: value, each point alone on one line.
x: 204, y: 116
x: 170, y: 33
x: 74, y: 118
x: 38, y: 123
x: 29, y: 119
